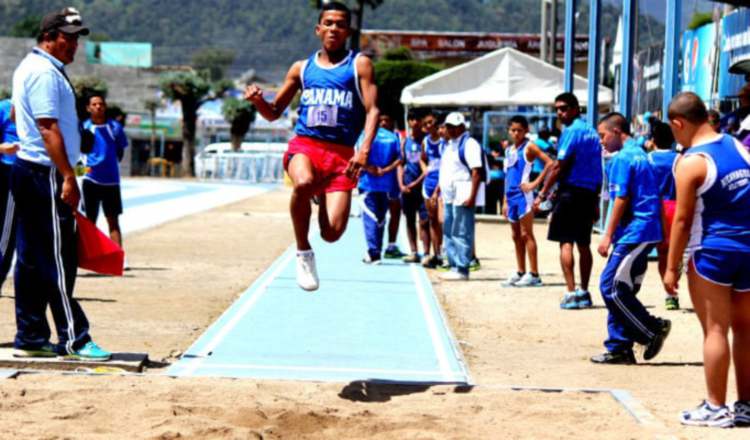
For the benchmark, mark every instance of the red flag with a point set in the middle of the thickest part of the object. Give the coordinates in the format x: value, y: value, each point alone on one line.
x: 96, y: 251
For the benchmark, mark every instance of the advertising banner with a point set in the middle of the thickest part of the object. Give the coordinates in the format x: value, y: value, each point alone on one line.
x: 735, y: 51
x: 119, y: 54
x: 649, y: 87
x: 698, y: 60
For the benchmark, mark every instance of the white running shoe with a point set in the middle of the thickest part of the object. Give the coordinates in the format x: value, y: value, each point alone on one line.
x: 512, y: 280
x: 704, y: 415
x: 529, y: 280
x: 307, y: 274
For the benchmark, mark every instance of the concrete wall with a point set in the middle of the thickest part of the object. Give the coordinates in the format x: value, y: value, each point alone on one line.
x: 128, y: 86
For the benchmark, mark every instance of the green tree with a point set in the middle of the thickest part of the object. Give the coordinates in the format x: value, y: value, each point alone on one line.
x: 192, y: 91
x: 392, y: 76
x: 239, y: 114
x: 27, y: 27
x: 213, y: 61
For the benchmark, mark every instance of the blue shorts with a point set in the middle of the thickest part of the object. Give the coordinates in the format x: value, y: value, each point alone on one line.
x: 428, y: 189
x: 429, y: 186
x: 726, y: 268
x: 519, y: 206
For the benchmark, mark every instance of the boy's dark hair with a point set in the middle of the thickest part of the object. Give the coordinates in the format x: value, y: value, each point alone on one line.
x: 689, y: 106
x: 521, y: 120
x: 429, y: 112
x: 415, y: 113
x: 569, y: 99
x: 336, y: 6
x: 662, y: 135
x: 94, y: 94
x: 615, y: 119
x: 713, y: 114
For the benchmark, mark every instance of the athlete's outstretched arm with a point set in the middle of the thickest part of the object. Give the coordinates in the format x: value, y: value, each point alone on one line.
x: 366, y: 74
x: 690, y: 174
x: 273, y: 110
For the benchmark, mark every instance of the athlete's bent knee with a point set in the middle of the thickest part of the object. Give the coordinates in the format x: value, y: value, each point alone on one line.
x: 331, y: 234
x: 304, y: 185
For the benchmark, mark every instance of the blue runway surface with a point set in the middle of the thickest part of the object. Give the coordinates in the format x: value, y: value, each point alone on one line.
x: 379, y: 323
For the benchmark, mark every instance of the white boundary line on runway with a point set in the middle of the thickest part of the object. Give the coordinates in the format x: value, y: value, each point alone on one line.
x: 235, y: 319
x: 437, y: 343
x: 227, y: 366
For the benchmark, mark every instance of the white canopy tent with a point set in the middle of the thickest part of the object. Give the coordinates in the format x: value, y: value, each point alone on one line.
x: 505, y: 77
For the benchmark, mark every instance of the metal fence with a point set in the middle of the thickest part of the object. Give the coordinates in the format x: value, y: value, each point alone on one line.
x: 250, y: 167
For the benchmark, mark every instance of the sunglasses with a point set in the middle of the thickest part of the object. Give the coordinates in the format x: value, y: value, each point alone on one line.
x: 562, y: 108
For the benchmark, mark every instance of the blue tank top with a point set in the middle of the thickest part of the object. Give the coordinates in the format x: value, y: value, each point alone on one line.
x: 662, y: 162
x: 331, y: 107
x: 517, y: 170
x: 433, y: 150
x: 412, y: 158
x: 7, y: 131
x: 722, y: 210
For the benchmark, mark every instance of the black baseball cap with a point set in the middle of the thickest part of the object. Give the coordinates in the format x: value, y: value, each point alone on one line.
x: 67, y: 21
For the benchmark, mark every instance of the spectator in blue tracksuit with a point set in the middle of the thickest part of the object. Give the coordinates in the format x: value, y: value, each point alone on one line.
x: 379, y: 186
x: 101, y: 184
x: 44, y: 186
x: 634, y: 228
x: 663, y: 160
x: 8, y: 147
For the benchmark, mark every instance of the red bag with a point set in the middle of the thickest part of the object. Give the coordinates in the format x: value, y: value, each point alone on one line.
x: 96, y: 251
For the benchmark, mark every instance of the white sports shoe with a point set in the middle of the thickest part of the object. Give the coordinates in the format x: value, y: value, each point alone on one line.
x: 528, y: 280
x: 512, y: 280
x: 307, y: 274
x: 704, y: 415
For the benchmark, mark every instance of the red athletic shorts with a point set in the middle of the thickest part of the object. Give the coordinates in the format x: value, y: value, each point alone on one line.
x: 329, y: 163
x: 668, y: 207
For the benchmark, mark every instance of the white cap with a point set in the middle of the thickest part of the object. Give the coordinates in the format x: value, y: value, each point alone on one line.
x: 455, y: 119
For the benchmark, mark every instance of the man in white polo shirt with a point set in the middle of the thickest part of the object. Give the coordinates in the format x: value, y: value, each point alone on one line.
x: 463, y: 170
x: 44, y: 186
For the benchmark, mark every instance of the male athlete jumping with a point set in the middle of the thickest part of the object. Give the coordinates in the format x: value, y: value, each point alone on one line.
x: 338, y: 101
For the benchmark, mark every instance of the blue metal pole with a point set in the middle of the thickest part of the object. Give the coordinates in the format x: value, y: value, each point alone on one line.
x: 629, y: 13
x: 671, y: 54
x: 595, y: 61
x: 570, y: 40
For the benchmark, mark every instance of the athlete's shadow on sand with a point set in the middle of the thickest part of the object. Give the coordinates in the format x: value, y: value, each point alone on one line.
x: 671, y: 364
x: 384, y: 391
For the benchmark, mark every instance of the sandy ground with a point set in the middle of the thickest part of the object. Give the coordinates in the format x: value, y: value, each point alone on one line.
x: 509, y: 337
